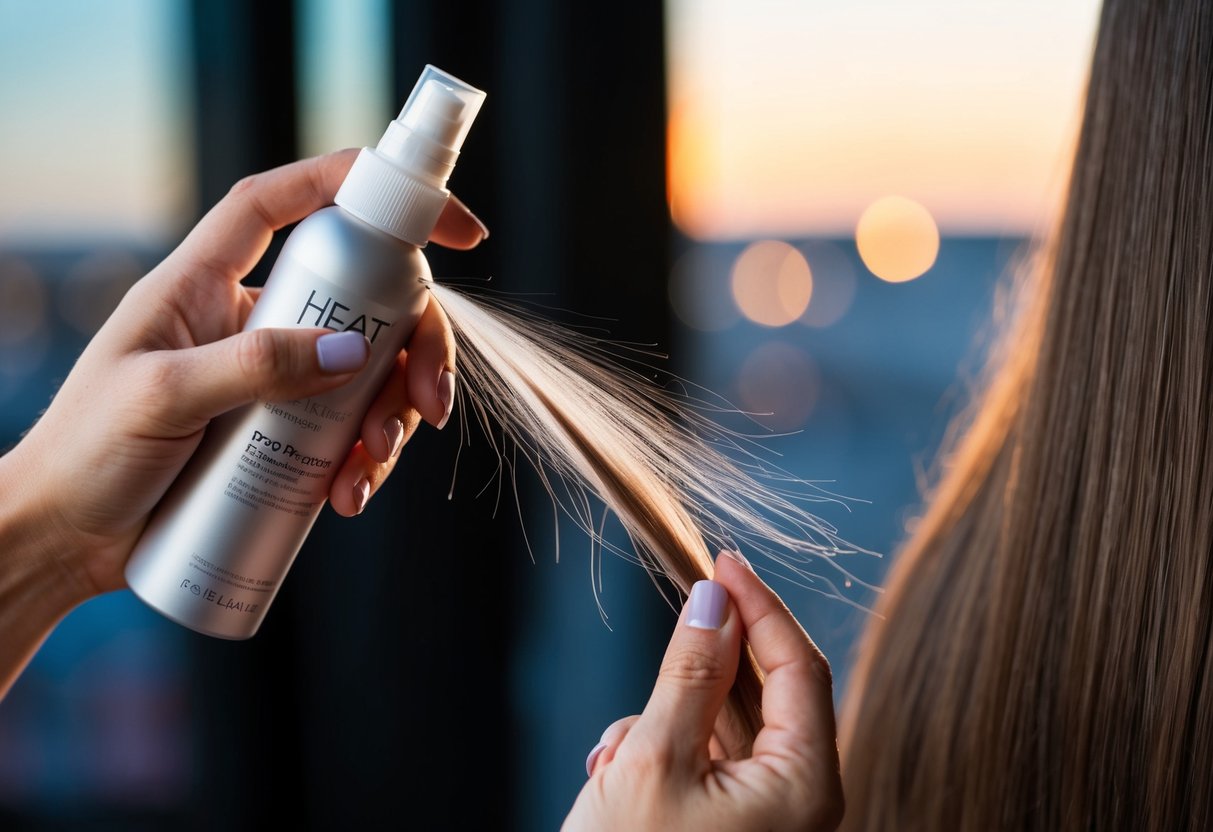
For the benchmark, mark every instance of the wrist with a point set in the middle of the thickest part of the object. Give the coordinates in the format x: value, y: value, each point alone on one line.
x: 35, y: 550
x: 38, y: 585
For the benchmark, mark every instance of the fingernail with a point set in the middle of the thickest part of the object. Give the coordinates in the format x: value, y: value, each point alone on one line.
x: 484, y: 229
x: 446, y: 395
x: 362, y: 493
x: 393, y: 432
x: 706, y: 605
x: 593, y: 758
x: 739, y: 557
x: 342, y: 352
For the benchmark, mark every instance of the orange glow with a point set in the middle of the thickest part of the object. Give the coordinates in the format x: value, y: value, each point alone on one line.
x: 897, y: 239
x: 779, y: 385
x: 690, y: 150
x: 787, y: 119
x: 772, y: 283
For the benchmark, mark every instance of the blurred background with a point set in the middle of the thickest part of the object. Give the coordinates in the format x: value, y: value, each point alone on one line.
x: 809, y: 205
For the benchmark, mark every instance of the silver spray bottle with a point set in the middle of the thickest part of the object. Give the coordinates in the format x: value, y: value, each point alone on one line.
x: 222, y: 539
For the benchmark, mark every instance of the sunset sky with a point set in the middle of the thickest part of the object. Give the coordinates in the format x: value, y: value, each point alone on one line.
x: 789, y: 118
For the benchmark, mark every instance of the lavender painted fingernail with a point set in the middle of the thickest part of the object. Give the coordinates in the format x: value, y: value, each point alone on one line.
x: 362, y: 493
x: 342, y: 352
x: 393, y: 432
x: 706, y: 605
x: 593, y: 758
x: 446, y: 395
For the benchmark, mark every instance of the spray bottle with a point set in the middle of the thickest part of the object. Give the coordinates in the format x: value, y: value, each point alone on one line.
x: 224, y: 536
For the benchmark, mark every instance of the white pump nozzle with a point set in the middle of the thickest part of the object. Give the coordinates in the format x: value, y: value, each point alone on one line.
x: 400, y: 185
x: 435, y: 113
x: 425, y: 138
x: 441, y: 107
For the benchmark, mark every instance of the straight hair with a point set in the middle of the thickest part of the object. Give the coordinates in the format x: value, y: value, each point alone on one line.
x: 1043, y: 658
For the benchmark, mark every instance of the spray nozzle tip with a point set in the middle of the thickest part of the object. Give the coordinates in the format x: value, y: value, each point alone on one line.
x: 399, y: 186
x: 442, y: 108
x: 436, y: 113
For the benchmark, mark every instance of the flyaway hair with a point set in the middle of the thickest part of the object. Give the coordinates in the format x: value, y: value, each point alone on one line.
x: 682, y: 487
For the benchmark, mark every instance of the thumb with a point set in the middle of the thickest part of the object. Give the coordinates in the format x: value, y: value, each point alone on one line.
x: 696, y: 674
x: 258, y: 365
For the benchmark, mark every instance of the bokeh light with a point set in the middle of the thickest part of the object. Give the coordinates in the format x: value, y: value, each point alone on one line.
x: 94, y: 287
x: 778, y: 385
x: 699, y: 289
x: 772, y: 284
x: 833, y: 284
x: 897, y: 239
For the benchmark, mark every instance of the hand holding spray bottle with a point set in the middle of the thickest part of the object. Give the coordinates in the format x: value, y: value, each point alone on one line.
x: 224, y: 536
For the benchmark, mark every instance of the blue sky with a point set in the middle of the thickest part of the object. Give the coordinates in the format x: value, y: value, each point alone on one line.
x: 96, y: 126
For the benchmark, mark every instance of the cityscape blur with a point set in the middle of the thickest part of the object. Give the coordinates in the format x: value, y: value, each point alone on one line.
x: 809, y: 206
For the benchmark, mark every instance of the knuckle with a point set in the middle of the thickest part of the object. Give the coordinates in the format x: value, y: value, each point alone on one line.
x: 244, y: 185
x: 155, y: 385
x: 159, y: 373
x: 256, y: 353
x: 248, y: 190
x: 693, y: 667
x: 618, y: 729
x: 157, y: 379
x: 646, y: 758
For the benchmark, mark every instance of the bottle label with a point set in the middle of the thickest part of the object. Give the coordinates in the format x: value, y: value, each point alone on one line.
x: 289, y: 452
x: 230, y: 526
x: 327, y: 312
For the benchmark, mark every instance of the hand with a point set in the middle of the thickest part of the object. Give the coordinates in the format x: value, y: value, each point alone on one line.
x: 663, y: 770
x: 172, y: 356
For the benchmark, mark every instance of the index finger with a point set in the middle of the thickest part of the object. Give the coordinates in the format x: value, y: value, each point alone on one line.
x: 233, y: 235
x: 797, y: 697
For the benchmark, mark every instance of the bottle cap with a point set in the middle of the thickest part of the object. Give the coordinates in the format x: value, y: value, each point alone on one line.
x: 399, y: 186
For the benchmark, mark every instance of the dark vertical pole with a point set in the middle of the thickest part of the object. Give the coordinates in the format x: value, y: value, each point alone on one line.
x: 584, y: 166
x: 619, y: 229
x: 248, y: 729
x: 404, y: 614
x: 568, y: 167
x: 244, y: 74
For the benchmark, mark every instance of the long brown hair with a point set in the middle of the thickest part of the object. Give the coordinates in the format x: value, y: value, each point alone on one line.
x: 1045, y: 659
